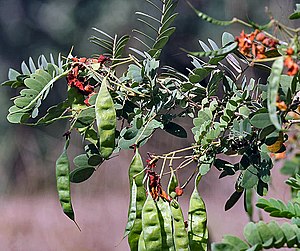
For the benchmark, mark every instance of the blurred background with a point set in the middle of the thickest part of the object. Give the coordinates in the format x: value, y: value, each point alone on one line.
x: 30, y: 214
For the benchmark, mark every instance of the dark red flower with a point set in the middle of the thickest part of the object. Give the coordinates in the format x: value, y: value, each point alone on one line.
x: 87, y: 100
x: 178, y: 191
x: 89, y: 88
x: 79, y: 85
x: 103, y: 59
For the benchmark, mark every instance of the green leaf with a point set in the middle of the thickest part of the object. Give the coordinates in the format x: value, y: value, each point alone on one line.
x: 222, y: 247
x: 278, y: 235
x: 277, y: 208
x: 38, y: 84
x: 95, y: 160
x: 204, y: 168
x: 265, y: 234
x: 106, y: 41
x: 13, y: 74
x: 214, y: 82
x: 81, y: 160
x: 160, y: 43
x: 290, y: 235
x: 194, y: 78
x: 261, y: 120
x: 86, y: 118
x: 248, y: 203
x: 236, y: 243
x: 130, y: 133
x: 135, y: 73
x: 220, y: 52
x: 250, y: 178
x: 273, y: 85
x: 17, y: 118
x: 296, y: 14
x: 233, y: 200
x: 144, y: 133
x: 251, y: 234
x: 120, y: 46
x: 161, y: 26
x: 54, y: 113
x: 201, y: 72
x: 286, y: 83
x: 175, y: 130
x: 90, y: 135
x: 81, y: 174
x: 266, y: 131
x: 227, y: 38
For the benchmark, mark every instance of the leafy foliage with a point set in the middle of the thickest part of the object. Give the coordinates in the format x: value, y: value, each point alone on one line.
x: 261, y: 236
x: 277, y: 208
x: 113, y: 46
x: 269, y: 235
x: 161, y: 27
x: 37, y: 82
x: 120, y: 108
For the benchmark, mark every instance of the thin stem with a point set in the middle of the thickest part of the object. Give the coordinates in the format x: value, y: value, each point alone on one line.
x: 175, y: 157
x: 294, y: 121
x: 134, y: 176
x: 184, y: 163
x: 189, y: 179
x: 265, y: 59
x: 120, y: 63
x: 163, y: 167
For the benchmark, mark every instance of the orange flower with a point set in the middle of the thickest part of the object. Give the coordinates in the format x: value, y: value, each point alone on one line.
x: 291, y: 65
x: 178, y: 191
x: 255, y: 44
x: 260, y: 36
x: 281, y: 105
x: 290, y: 51
x: 278, y: 156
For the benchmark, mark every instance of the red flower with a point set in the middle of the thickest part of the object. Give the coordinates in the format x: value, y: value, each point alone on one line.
x: 151, y: 163
x: 79, y: 85
x: 103, y: 59
x: 155, y: 187
x: 255, y: 44
x: 292, y: 66
x: 89, y: 88
x: 82, y: 60
x: 87, y: 100
x: 178, y: 191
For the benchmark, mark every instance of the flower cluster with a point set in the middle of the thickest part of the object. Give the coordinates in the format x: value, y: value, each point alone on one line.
x: 255, y: 44
x: 292, y: 66
x: 77, y: 77
x: 155, y: 187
